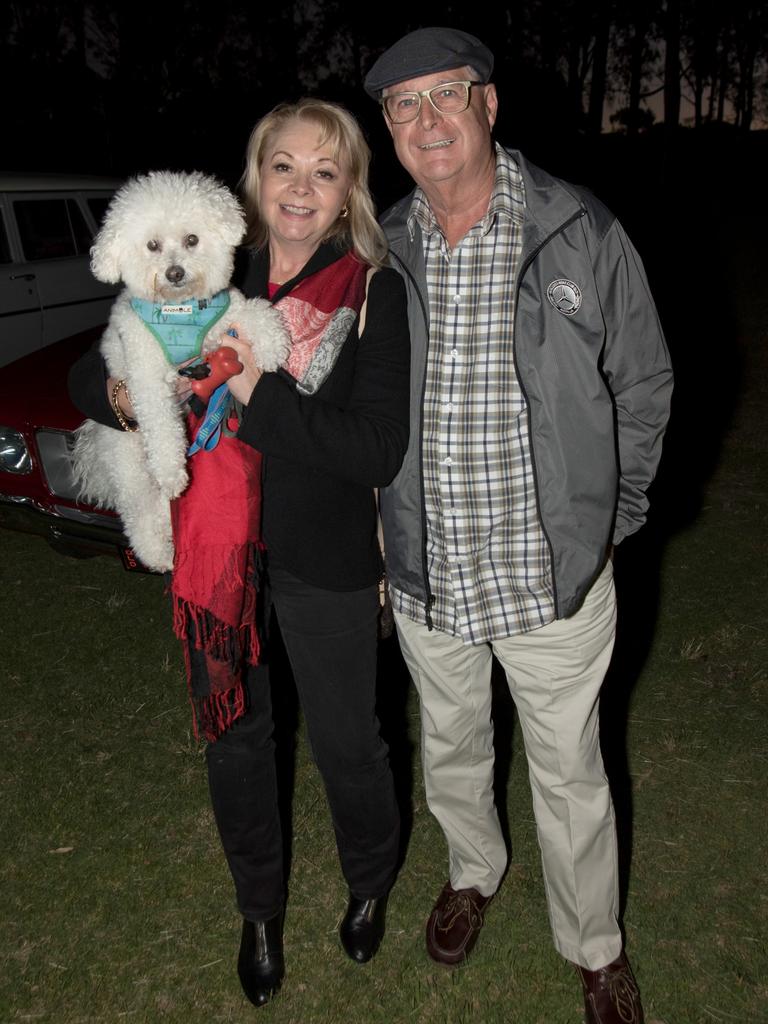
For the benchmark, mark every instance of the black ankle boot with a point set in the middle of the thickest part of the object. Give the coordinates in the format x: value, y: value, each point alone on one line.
x: 362, y: 929
x: 260, y: 964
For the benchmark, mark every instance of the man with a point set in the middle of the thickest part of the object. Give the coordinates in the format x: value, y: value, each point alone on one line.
x: 540, y: 392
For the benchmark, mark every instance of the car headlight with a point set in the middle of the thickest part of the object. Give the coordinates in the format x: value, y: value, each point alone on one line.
x: 14, y: 455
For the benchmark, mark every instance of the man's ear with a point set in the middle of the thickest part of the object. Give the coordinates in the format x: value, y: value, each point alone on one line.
x: 491, y: 103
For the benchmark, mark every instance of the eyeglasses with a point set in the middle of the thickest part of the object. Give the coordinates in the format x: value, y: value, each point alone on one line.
x: 447, y: 98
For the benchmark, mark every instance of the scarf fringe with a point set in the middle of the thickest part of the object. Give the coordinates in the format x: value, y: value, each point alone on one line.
x: 226, y: 647
x: 224, y: 643
x: 214, y: 714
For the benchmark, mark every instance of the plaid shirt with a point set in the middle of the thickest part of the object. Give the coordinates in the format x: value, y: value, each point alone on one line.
x: 487, y: 557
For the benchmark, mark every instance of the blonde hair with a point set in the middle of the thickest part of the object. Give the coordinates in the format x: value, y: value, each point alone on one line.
x: 359, y: 230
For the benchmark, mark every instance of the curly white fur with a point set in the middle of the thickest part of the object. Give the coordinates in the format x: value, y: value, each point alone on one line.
x: 162, y: 220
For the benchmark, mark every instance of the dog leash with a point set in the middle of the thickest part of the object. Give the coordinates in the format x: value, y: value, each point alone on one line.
x: 220, y: 402
x: 209, y: 431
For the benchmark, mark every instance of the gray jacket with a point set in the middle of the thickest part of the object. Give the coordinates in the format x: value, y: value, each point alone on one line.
x: 597, y: 381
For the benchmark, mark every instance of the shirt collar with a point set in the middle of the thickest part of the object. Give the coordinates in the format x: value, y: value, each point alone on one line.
x: 507, y: 199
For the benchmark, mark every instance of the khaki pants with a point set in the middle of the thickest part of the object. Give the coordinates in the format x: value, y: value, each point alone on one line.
x: 554, y: 675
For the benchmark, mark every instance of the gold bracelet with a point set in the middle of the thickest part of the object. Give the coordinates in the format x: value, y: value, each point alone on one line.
x: 122, y: 419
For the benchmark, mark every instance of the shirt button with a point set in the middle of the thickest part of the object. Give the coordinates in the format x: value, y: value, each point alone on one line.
x: 448, y: 407
x: 448, y: 461
x: 457, y: 298
x: 454, y: 353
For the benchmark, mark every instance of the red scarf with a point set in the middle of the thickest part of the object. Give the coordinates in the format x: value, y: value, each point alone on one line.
x: 217, y: 520
x: 216, y: 534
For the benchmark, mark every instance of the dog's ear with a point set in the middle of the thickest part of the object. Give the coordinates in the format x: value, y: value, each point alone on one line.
x: 105, y: 251
x: 231, y: 217
x: 104, y: 258
x: 226, y: 215
x: 233, y: 227
x: 110, y: 242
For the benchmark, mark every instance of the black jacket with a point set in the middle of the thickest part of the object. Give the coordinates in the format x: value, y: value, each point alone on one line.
x: 324, y: 454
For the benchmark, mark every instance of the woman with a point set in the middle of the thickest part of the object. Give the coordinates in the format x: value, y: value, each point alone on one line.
x: 330, y: 427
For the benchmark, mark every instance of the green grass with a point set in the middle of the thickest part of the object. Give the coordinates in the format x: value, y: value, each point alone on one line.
x: 116, y: 902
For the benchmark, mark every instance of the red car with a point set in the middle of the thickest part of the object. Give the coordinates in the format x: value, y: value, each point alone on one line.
x: 38, y: 493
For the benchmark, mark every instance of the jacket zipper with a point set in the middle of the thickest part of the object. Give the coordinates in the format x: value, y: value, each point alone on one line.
x: 520, y: 274
x: 429, y: 597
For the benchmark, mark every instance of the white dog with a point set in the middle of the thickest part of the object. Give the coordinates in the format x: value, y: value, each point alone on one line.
x: 170, y: 238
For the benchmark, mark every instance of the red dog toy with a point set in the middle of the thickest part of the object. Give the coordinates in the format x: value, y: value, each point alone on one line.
x: 221, y: 364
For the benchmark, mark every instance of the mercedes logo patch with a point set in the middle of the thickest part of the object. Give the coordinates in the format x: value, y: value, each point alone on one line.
x: 565, y: 296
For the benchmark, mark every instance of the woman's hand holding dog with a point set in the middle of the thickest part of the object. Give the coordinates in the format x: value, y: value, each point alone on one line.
x: 122, y: 398
x: 243, y: 384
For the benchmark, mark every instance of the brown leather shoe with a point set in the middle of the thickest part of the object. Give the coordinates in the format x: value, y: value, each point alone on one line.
x: 611, y: 995
x: 455, y: 923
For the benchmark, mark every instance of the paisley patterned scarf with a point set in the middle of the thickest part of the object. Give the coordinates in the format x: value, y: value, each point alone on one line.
x: 319, y: 312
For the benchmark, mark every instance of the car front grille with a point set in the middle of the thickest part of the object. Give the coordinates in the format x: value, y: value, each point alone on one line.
x: 55, y: 448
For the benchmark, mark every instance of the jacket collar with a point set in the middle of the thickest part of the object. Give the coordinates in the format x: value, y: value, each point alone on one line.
x: 252, y: 269
x: 549, y: 203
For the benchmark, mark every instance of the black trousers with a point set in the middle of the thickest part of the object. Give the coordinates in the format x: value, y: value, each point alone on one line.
x: 330, y: 639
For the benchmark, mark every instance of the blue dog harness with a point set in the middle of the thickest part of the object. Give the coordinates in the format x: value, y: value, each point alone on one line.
x: 181, y: 327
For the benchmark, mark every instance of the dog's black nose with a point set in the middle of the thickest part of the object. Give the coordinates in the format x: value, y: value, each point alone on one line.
x: 175, y: 274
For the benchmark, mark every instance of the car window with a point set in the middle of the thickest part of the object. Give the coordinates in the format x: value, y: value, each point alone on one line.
x: 80, y: 229
x: 98, y: 207
x: 51, y: 228
x: 5, y: 249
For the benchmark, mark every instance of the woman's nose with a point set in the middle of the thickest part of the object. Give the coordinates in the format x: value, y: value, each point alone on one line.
x: 302, y: 184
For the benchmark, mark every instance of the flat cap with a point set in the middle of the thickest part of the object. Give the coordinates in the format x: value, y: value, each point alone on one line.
x: 424, y: 52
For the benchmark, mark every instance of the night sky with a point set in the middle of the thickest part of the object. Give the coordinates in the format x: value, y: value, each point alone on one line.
x: 119, y: 87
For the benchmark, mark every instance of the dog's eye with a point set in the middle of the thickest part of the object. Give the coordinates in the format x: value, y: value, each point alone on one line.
x: 191, y: 241
x: 153, y: 245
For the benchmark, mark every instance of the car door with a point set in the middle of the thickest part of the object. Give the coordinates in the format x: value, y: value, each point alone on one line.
x: 56, y: 235
x: 21, y: 319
